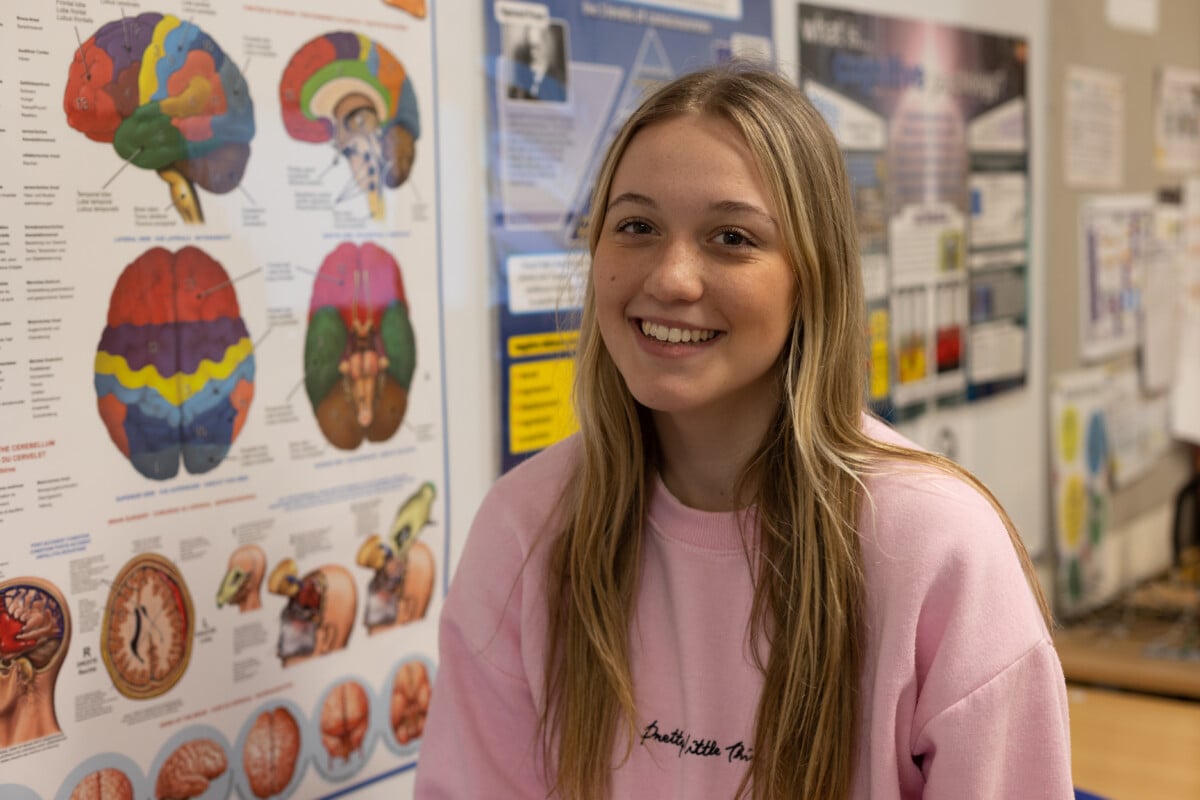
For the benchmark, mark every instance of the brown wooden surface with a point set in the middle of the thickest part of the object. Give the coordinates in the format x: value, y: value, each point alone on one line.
x: 1128, y: 746
x: 1121, y: 657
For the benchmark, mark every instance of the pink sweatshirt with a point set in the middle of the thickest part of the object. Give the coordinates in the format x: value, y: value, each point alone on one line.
x: 962, y: 692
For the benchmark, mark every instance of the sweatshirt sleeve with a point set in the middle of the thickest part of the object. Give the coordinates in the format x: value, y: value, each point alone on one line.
x: 1008, y: 738
x: 481, y: 737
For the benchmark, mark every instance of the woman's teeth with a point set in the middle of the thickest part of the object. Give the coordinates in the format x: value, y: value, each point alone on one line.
x: 664, y: 334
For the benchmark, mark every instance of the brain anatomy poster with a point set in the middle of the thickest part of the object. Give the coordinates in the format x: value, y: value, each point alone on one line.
x: 222, y: 429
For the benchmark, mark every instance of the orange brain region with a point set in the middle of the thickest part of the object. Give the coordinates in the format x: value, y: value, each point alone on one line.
x: 146, y: 640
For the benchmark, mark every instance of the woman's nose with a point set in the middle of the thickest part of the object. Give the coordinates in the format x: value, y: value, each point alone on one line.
x: 677, y: 274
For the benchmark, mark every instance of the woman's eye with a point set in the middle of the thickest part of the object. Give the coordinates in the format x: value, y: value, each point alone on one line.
x: 634, y: 226
x: 733, y: 238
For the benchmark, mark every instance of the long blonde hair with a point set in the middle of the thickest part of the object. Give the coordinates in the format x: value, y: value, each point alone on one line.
x: 809, y: 596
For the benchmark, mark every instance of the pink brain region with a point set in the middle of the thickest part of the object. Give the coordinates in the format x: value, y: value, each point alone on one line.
x: 167, y: 97
x: 349, y: 90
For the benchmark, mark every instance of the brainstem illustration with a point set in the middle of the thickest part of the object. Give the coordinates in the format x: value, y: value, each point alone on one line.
x: 167, y: 98
x: 175, y: 367
x: 349, y: 90
x: 359, y: 350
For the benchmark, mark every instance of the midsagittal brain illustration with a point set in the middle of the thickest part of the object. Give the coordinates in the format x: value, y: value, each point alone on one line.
x: 174, y: 370
x: 359, y: 350
x: 167, y: 98
x: 346, y: 89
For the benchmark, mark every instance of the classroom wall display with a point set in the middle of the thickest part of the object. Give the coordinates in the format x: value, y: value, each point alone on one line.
x: 933, y: 123
x: 562, y: 76
x: 223, y: 464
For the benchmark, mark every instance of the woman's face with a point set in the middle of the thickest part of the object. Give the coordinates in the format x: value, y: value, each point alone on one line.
x: 694, y: 292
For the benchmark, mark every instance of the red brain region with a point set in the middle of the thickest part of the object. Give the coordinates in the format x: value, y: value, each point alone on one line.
x: 270, y: 752
x: 104, y: 784
x: 32, y: 624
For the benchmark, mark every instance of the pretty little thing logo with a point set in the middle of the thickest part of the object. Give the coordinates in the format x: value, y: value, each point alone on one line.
x: 703, y: 748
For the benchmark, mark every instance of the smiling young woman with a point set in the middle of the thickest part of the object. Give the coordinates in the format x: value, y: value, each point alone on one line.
x: 734, y: 581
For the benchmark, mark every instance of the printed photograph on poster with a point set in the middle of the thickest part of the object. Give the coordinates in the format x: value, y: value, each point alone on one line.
x: 1177, y: 119
x: 223, y: 451
x: 1115, y: 234
x: 563, y: 76
x: 933, y: 122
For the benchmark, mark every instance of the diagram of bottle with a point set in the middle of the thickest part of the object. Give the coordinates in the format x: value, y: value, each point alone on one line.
x: 400, y: 589
x: 167, y: 98
x: 146, y: 634
x: 320, y: 610
x: 359, y: 349
x: 174, y: 370
x: 348, y: 90
x: 35, y: 630
x: 243, y: 579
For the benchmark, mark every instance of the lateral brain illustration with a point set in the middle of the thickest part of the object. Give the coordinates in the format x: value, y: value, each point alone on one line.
x: 359, y: 351
x: 175, y: 367
x: 168, y: 99
x: 343, y: 87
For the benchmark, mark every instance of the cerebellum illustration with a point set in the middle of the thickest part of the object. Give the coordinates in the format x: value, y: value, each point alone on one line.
x: 167, y: 98
x: 319, y: 615
x: 345, y: 720
x: 271, y: 752
x: 402, y: 585
x: 174, y: 370
x: 346, y: 89
x: 359, y: 350
x: 146, y: 638
x: 190, y: 769
x: 35, y: 630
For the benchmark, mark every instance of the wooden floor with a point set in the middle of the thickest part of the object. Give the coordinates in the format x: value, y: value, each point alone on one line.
x: 1130, y: 746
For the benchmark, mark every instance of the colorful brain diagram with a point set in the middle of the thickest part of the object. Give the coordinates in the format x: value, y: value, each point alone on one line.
x: 175, y: 366
x: 346, y: 89
x: 35, y: 629
x: 359, y: 350
x: 168, y: 99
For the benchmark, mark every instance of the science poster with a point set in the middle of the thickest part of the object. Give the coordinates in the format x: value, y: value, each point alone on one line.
x: 222, y: 430
x: 933, y: 123
x: 562, y: 77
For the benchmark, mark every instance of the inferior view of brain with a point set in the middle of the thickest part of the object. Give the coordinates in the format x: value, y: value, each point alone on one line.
x: 168, y: 99
x: 175, y: 367
x: 270, y: 752
x: 359, y: 350
x: 346, y: 89
x: 411, y: 691
x: 345, y: 718
x: 189, y: 770
x: 104, y: 784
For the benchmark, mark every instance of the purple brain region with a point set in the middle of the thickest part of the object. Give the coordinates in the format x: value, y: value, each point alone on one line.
x: 175, y: 366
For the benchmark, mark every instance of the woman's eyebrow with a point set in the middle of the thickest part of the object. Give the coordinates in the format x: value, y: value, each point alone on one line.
x: 739, y: 207
x: 632, y: 197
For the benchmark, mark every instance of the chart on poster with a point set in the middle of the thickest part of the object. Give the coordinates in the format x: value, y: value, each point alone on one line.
x: 223, y: 463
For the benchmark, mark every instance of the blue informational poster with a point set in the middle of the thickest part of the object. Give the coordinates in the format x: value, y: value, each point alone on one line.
x: 562, y: 77
x: 933, y: 122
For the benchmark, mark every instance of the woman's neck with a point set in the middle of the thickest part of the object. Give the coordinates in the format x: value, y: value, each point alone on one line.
x: 702, y: 463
